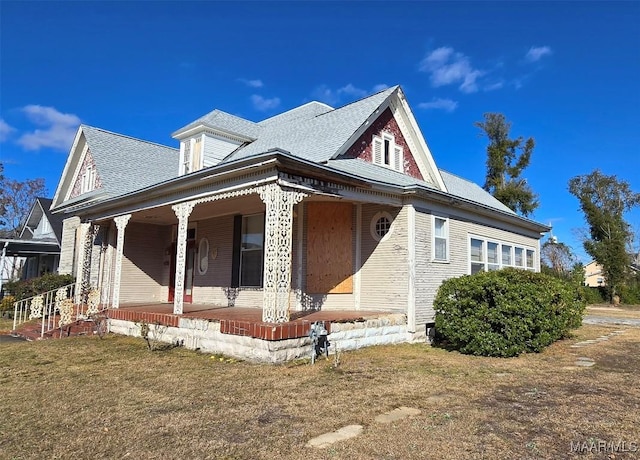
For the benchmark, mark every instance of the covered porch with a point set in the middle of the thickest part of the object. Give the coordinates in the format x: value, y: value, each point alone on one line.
x: 277, y: 252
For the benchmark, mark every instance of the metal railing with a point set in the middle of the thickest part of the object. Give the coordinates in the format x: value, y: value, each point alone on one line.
x: 46, y: 307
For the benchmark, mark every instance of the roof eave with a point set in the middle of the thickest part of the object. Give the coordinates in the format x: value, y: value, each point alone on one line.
x: 482, y: 208
x: 189, y: 131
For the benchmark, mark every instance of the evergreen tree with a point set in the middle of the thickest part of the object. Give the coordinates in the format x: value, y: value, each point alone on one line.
x: 505, y: 165
x: 604, y: 200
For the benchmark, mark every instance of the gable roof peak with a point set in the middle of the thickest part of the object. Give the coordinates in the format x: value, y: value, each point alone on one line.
x: 222, y: 121
x: 386, y: 92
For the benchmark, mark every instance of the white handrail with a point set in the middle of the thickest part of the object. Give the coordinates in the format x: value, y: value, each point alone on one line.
x: 48, y: 311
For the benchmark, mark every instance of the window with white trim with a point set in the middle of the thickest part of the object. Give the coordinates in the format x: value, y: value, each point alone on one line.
x: 519, y: 258
x: 251, y: 250
x: 507, y: 257
x: 530, y: 259
x: 492, y: 256
x: 186, y: 156
x: 88, y: 180
x: 387, y: 153
x: 489, y: 254
x: 440, y: 241
x: 476, y: 255
x: 381, y: 225
x: 203, y: 256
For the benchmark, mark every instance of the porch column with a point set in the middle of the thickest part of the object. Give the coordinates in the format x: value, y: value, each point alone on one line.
x: 121, y: 224
x: 183, y: 211
x: 83, y: 260
x: 278, y: 230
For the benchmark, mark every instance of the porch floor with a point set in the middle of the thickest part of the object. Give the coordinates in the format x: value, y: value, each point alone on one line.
x: 240, y: 320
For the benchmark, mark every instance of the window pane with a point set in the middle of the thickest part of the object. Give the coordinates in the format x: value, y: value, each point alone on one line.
x: 383, y: 225
x: 519, y: 260
x: 440, y: 249
x: 476, y: 251
x: 475, y: 268
x: 439, y: 229
x: 529, y: 258
x: 252, y: 232
x: 387, y: 154
x: 506, y: 255
x: 492, y: 253
x: 251, y: 268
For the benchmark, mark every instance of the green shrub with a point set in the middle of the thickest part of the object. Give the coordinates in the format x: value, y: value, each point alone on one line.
x: 595, y: 294
x: 630, y: 294
x: 506, y: 312
x: 28, y: 288
x: 6, y: 304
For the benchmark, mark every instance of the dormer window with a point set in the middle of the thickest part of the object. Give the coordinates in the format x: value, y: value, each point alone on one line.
x: 387, y: 153
x: 192, y: 155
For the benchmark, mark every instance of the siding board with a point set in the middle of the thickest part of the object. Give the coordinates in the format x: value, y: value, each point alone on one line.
x: 430, y: 275
x: 142, y: 267
x: 384, y: 272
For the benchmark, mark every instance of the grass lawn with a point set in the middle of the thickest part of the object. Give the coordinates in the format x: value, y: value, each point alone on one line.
x: 112, y: 398
x: 6, y: 324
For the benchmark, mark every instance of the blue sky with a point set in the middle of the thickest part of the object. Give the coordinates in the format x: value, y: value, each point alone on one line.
x: 563, y: 73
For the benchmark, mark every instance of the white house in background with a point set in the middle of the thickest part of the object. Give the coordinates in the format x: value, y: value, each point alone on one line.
x: 315, y: 208
x: 36, y: 251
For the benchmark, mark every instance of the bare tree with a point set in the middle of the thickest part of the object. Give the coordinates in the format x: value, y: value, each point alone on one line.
x: 16, y: 199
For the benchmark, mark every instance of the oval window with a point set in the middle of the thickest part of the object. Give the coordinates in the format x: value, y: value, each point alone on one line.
x: 203, y: 256
x: 381, y: 225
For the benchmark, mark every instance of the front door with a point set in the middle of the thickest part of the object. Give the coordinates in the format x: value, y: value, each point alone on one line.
x: 188, y: 272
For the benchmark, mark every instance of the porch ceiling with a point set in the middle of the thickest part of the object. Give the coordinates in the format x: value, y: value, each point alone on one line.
x: 250, y: 204
x: 164, y: 215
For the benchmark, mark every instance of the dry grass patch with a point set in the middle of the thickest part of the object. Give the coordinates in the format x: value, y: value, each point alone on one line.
x: 92, y: 398
x: 6, y: 325
x: 621, y: 311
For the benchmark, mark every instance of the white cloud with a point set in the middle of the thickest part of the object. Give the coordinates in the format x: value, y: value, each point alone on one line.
x: 263, y: 104
x: 252, y: 83
x: 380, y: 87
x: 447, y: 105
x: 5, y: 130
x: 58, y: 130
x: 537, y: 52
x: 445, y: 66
x: 348, y: 92
x: 325, y: 94
x: 493, y: 86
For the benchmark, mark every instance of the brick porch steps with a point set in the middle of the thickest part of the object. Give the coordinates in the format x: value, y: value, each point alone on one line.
x: 32, y: 331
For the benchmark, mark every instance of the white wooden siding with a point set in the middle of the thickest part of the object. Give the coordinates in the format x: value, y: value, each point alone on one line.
x: 68, y: 245
x: 430, y: 275
x: 143, y: 272
x: 216, y: 149
x: 384, y: 272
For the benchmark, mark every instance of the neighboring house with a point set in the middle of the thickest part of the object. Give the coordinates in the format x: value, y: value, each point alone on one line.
x: 314, y: 208
x: 36, y: 251
x: 593, y: 275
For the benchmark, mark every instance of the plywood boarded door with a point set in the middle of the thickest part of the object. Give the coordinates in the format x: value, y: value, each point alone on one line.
x: 329, y: 248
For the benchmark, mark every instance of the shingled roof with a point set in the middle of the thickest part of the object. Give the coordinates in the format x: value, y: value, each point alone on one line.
x: 314, y: 131
x: 126, y: 164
